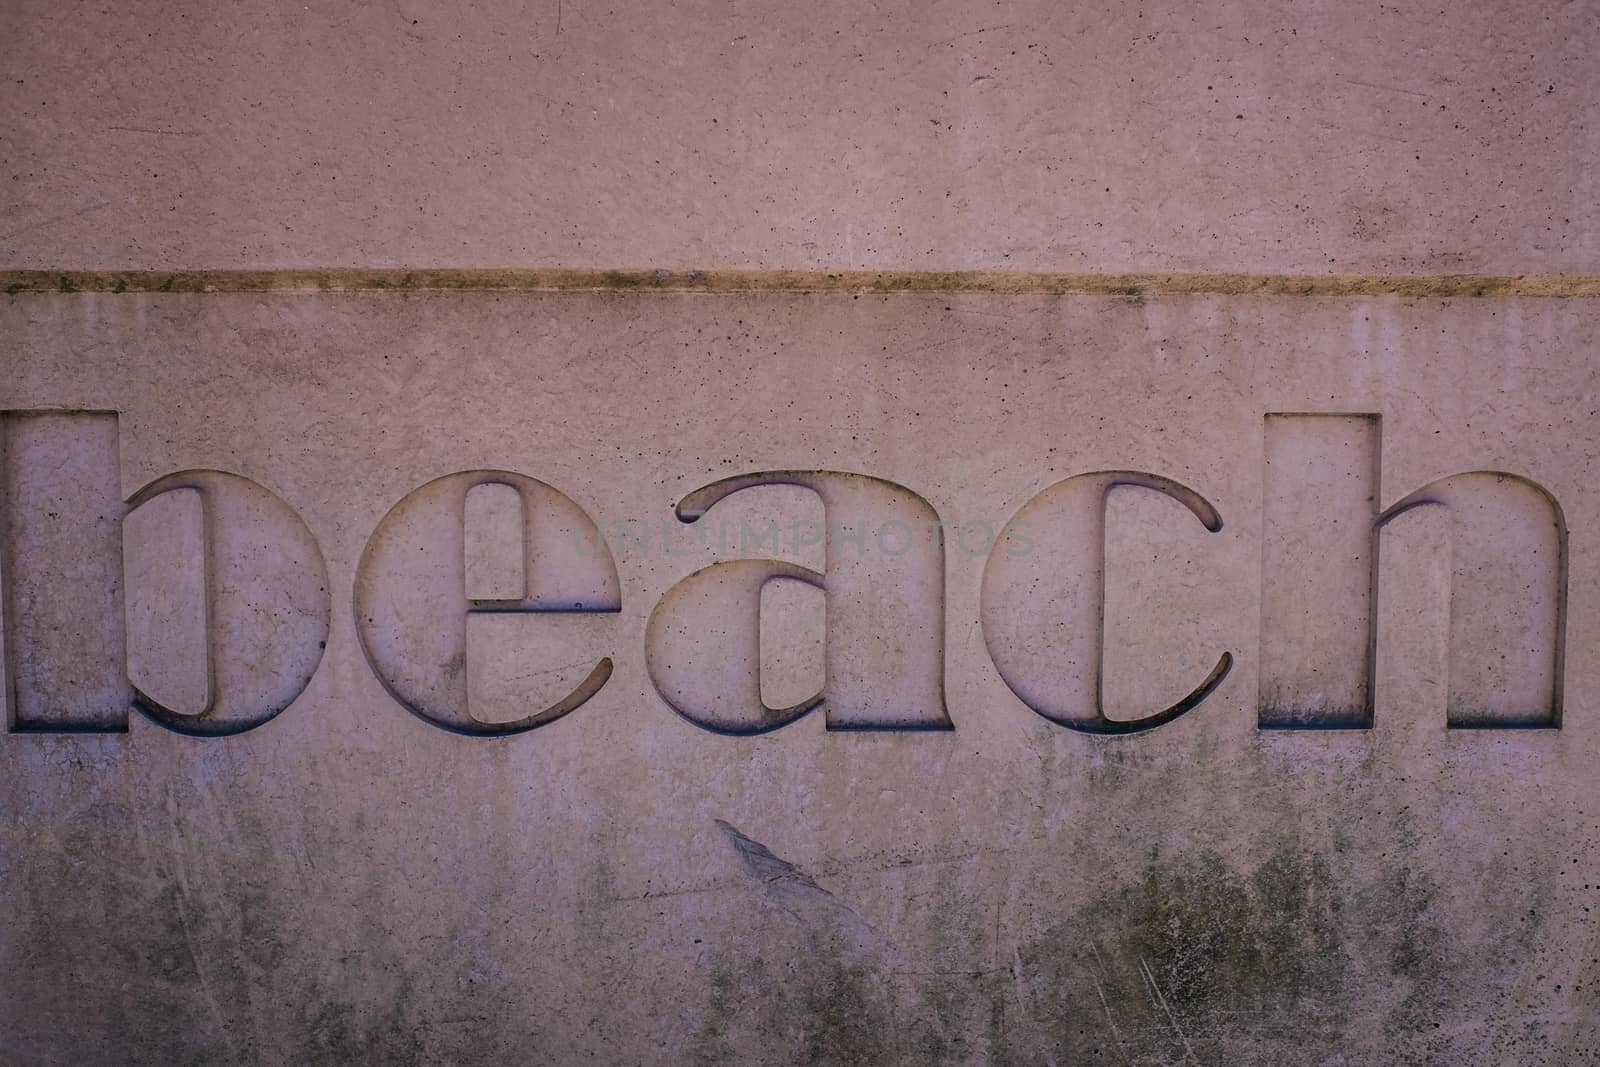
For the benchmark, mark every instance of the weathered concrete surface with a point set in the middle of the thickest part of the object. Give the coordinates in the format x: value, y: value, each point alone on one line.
x: 350, y: 882
x: 1219, y: 135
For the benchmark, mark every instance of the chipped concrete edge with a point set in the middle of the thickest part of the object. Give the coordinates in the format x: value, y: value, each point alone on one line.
x: 557, y: 279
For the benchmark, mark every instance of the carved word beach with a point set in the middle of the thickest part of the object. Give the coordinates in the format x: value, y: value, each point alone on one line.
x: 203, y: 600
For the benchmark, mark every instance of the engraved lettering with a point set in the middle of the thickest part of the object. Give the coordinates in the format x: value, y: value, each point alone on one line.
x: 1322, y: 527
x: 884, y: 644
x: 1043, y: 611
x: 229, y: 594
x: 486, y: 667
x: 266, y: 606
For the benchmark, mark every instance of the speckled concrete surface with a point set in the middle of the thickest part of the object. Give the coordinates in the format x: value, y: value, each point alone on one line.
x: 439, y: 699
x: 351, y: 881
x: 1220, y: 135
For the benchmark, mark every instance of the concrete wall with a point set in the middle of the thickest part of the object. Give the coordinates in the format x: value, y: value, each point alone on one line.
x: 1240, y: 707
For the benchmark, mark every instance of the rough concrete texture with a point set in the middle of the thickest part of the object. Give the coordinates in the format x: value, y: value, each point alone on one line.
x: 1024, y: 651
x: 483, y: 833
x: 1213, y: 135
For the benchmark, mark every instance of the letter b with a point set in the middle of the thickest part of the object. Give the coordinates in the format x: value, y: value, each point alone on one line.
x: 202, y: 600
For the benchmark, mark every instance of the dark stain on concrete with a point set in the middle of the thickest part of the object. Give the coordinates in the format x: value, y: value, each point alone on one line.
x: 562, y: 279
x: 1154, y: 971
x: 1196, y: 959
x: 797, y: 895
x: 1193, y: 956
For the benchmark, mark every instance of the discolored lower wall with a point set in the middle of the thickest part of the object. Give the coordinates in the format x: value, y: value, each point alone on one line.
x: 455, y: 846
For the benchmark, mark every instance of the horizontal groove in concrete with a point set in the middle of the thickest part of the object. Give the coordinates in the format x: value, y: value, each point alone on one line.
x: 556, y: 279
